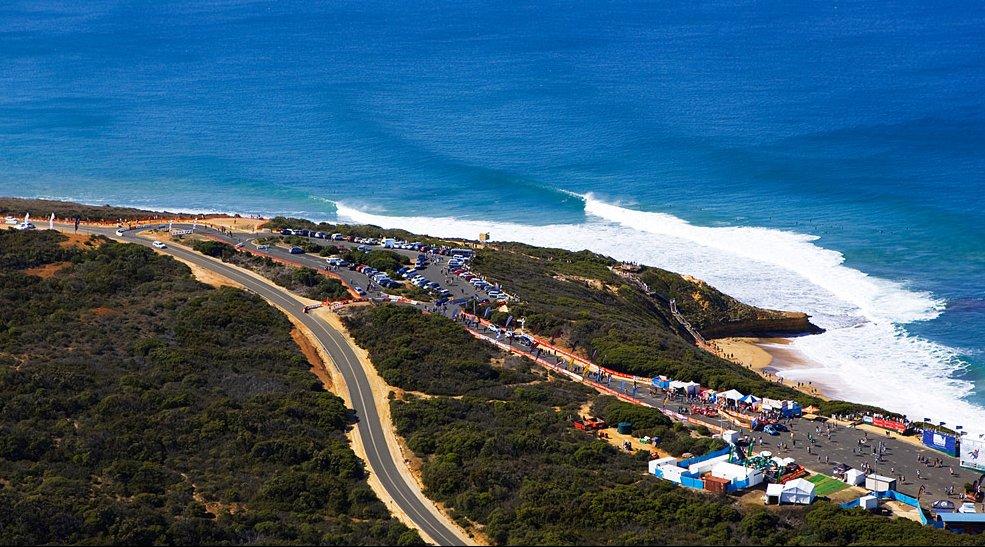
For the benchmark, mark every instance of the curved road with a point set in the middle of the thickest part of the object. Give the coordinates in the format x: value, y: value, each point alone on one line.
x: 370, y: 428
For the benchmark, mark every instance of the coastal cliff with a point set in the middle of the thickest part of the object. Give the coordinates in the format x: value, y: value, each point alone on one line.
x: 773, y: 323
x: 717, y: 315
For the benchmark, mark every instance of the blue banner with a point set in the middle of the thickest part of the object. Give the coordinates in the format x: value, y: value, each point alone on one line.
x: 943, y: 442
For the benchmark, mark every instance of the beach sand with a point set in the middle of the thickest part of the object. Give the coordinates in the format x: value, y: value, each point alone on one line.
x: 241, y: 224
x: 773, y: 359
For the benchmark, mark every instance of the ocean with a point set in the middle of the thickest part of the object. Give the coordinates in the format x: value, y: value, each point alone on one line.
x: 826, y: 157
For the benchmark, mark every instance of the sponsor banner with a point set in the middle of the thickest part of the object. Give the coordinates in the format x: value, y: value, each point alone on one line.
x: 973, y: 453
x: 947, y: 444
x: 892, y: 425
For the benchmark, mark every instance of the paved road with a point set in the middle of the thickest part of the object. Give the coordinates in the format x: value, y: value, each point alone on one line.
x: 370, y: 428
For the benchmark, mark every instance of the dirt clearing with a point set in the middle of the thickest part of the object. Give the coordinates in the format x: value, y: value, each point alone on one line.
x: 74, y: 240
x: 310, y: 353
x: 48, y: 270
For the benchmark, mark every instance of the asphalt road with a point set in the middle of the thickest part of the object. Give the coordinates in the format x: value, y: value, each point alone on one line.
x: 371, y: 429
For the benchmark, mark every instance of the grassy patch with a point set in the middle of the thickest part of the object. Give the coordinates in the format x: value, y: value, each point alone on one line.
x: 825, y: 485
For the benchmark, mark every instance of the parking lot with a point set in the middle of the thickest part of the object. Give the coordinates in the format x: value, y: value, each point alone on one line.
x: 448, y: 291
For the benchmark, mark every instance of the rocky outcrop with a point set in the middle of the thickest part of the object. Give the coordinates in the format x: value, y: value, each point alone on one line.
x: 772, y: 323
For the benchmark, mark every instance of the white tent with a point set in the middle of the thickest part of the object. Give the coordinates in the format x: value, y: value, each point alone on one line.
x: 773, y: 492
x: 731, y: 395
x: 798, y: 491
x: 691, y: 388
x: 772, y: 404
x: 854, y: 477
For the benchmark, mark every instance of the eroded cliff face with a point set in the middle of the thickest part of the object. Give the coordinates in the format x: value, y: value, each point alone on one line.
x: 774, y: 323
x: 718, y: 315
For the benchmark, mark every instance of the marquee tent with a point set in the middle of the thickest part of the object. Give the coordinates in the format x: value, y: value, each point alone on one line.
x: 732, y: 395
x: 798, y: 491
x: 691, y: 388
x: 771, y: 404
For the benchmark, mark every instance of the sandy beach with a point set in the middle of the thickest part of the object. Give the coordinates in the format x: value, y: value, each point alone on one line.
x: 773, y: 359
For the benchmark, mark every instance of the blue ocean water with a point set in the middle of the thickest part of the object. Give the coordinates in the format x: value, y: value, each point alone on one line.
x: 861, y: 123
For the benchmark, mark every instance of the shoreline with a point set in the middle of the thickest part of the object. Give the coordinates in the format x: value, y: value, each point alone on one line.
x: 785, y: 365
x: 773, y: 360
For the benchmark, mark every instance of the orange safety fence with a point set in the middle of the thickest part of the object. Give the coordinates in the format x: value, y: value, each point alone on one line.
x: 541, y: 361
x: 571, y: 356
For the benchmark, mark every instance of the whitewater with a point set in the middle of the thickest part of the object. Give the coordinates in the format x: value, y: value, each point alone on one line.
x: 865, y: 354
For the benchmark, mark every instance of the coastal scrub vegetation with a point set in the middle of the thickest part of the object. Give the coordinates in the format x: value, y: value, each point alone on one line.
x: 139, y: 406
x: 503, y: 455
x: 579, y: 300
x: 429, y: 353
x: 300, y: 280
x: 381, y: 259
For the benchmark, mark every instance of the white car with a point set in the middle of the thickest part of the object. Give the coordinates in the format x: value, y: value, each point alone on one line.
x: 159, y: 245
x: 967, y: 507
x: 120, y: 232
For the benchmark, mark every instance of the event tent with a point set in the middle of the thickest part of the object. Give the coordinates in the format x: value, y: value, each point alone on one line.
x: 771, y: 404
x: 854, y: 477
x: 798, y: 491
x: 691, y: 388
x: 773, y: 492
x: 750, y: 399
x: 732, y: 395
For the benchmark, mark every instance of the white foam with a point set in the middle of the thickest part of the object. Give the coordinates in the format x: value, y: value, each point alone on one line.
x: 865, y: 355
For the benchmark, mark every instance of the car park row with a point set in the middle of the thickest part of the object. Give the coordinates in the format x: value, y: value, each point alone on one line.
x: 414, y: 274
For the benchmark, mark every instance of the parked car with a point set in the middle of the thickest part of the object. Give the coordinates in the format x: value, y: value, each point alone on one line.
x: 359, y: 291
